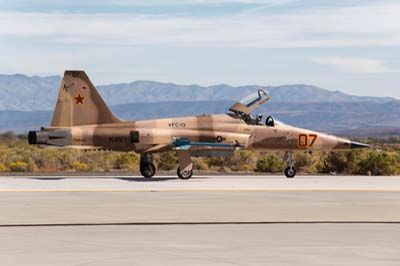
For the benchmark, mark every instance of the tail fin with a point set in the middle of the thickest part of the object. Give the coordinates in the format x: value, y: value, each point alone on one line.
x: 79, y: 103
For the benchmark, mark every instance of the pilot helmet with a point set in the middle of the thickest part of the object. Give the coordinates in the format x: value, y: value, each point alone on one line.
x: 259, y: 116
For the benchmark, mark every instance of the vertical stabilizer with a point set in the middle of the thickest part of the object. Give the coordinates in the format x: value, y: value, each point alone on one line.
x: 79, y: 103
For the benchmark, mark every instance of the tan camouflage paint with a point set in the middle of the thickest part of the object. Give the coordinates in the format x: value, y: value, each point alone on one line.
x: 82, y: 112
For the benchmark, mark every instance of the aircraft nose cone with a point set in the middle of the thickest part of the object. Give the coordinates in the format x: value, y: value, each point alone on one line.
x: 358, y: 145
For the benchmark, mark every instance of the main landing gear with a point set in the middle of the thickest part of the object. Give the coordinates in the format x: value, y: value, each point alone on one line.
x: 187, y: 174
x: 185, y: 169
x: 290, y: 171
x: 147, y: 168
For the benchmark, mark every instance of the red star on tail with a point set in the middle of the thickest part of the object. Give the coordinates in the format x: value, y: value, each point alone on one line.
x: 79, y: 99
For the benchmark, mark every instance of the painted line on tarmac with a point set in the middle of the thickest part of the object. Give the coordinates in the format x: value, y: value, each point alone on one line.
x: 136, y: 176
x: 197, y: 223
x: 189, y: 190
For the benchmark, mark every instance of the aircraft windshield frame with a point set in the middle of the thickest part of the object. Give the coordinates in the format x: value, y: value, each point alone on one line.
x: 253, y: 98
x: 251, y: 102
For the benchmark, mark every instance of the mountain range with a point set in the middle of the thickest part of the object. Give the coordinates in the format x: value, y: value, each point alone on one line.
x: 27, y: 102
x: 23, y: 93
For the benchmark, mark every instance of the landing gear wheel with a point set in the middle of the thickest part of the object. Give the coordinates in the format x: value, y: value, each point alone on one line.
x: 290, y: 172
x: 184, y: 174
x: 147, y: 170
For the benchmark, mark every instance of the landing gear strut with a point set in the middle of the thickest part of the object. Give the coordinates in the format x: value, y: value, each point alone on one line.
x: 290, y: 171
x: 185, y: 169
x: 147, y: 168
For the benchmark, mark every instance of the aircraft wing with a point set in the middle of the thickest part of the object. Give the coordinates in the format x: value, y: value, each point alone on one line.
x: 160, y: 148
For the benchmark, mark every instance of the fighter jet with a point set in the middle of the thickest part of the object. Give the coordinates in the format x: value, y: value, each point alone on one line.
x: 82, y: 120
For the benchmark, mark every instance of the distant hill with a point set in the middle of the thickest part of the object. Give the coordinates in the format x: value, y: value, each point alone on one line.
x: 371, y: 132
x: 20, y: 92
x: 23, y: 93
x: 149, y: 91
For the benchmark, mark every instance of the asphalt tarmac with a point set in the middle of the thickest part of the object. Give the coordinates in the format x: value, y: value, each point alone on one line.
x: 224, y: 220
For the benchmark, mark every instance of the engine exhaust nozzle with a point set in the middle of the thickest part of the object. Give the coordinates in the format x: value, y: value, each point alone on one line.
x: 55, y: 138
x: 38, y: 137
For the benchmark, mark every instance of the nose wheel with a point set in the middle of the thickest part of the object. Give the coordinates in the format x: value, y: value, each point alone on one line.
x: 290, y: 171
x: 147, y: 168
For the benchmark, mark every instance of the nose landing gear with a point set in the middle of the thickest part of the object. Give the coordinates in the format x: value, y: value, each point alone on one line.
x: 290, y: 171
x: 147, y: 168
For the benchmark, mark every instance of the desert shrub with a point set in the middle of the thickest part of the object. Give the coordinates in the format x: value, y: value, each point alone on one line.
x: 50, y: 159
x: 78, y: 166
x: 302, y: 161
x: 167, y: 161
x: 270, y: 163
x: 31, y: 164
x: 200, y: 164
x: 3, y: 168
x: 7, y: 136
x: 215, y: 162
x: 379, y: 163
x: 98, y: 160
x: 104, y: 162
x: 242, y: 160
x: 126, y: 160
x: 338, y: 162
x: 19, y: 166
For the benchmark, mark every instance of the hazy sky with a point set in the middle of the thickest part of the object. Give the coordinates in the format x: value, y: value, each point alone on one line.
x: 348, y: 45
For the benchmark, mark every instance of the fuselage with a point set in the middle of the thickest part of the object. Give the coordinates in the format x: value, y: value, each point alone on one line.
x: 157, y: 135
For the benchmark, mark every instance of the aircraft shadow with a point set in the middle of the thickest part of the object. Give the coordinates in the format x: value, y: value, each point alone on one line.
x: 47, y: 178
x: 142, y: 179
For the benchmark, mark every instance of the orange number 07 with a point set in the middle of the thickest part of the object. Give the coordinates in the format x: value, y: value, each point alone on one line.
x: 306, y: 140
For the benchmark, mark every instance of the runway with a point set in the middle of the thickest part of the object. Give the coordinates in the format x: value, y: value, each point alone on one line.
x: 223, y: 220
x: 201, y: 183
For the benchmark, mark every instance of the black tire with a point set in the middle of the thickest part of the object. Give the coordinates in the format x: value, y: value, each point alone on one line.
x: 290, y: 172
x: 147, y: 170
x: 185, y: 174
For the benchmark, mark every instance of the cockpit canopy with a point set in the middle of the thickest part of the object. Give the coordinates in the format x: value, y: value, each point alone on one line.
x: 250, y: 103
